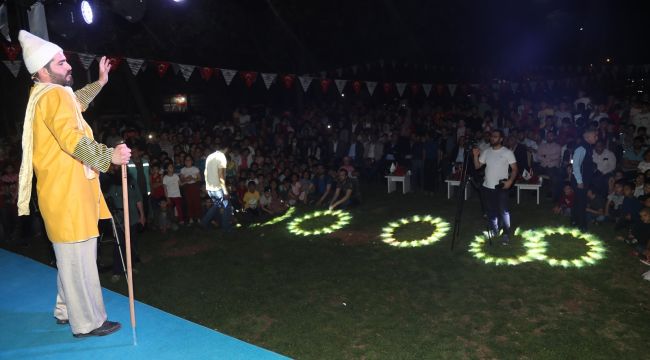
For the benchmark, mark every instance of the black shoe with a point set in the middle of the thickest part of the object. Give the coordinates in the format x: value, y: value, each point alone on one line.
x: 107, y: 328
x: 62, y: 321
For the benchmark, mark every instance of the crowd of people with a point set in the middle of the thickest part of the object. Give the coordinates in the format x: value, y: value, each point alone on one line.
x: 317, y: 157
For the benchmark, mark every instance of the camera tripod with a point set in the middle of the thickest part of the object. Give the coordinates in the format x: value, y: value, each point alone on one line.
x: 465, y: 178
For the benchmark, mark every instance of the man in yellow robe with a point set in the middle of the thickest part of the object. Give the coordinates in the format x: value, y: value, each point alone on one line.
x: 58, y: 147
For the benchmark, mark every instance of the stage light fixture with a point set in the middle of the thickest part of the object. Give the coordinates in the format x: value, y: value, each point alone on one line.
x: 87, y: 12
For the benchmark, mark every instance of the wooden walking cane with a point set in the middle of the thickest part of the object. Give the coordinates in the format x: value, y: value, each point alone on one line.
x: 127, y: 242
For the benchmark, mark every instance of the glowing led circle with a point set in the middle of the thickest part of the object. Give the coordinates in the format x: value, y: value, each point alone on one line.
x: 278, y: 219
x: 87, y: 12
x: 441, y: 229
x: 595, y: 253
x: 343, y: 218
x: 535, y: 250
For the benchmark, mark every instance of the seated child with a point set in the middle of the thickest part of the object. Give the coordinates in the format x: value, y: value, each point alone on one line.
x: 639, y: 236
x: 595, y: 207
x: 252, y: 199
x: 565, y: 204
x: 630, y: 207
x: 614, y: 202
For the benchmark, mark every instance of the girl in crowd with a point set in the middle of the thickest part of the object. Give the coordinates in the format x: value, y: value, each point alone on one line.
x: 171, y: 183
x: 190, y: 177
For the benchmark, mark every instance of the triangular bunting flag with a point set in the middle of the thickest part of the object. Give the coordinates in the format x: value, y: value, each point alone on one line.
x: 135, y: 65
x: 387, y: 87
x: 228, y: 75
x: 305, y: 81
x: 206, y: 73
x: 13, y: 66
x: 249, y: 77
x: 186, y: 71
x: 427, y: 88
x: 400, y: 88
x: 162, y: 67
x: 86, y: 59
x: 452, y: 88
x: 176, y: 68
x: 340, y: 85
x: 268, y: 79
x: 371, y: 85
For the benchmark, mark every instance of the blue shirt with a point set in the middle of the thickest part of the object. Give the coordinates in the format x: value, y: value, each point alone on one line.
x: 578, y: 157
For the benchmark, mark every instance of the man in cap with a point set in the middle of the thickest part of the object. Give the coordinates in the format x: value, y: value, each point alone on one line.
x: 58, y: 146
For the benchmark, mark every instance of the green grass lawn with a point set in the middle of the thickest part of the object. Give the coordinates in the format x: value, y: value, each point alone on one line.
x: 348, y: 295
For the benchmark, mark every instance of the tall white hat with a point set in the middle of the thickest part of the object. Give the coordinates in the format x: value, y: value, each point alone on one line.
x: 36, y: 51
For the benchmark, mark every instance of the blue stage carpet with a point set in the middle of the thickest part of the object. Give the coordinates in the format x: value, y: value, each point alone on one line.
x: 28, y: 329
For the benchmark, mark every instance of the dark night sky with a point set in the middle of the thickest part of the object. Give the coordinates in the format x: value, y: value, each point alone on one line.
x: 313, y: 35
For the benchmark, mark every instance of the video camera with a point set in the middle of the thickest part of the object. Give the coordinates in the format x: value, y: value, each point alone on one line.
x: 501, y: 184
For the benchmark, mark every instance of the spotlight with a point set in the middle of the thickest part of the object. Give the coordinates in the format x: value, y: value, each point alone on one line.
x: 87, y: 12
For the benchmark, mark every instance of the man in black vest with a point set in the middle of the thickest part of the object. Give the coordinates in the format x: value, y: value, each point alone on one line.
x: 584, y: 170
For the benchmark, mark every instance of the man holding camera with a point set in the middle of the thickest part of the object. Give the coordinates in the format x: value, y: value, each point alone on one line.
x: 497, y: 160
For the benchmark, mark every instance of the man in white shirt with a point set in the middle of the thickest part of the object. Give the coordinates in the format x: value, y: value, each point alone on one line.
x: 215, y: 184
x: 605, y: 161
x: 497, y: 160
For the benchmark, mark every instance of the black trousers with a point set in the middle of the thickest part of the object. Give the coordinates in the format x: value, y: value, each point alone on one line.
x: 579, y: 211
x: 498, y: 212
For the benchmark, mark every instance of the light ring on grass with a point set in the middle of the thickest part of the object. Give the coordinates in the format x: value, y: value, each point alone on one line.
x: 343, y: 218
x: 595, y: 253
x: 278, y: 219
x: 535, y: 250
x: 441, y: 229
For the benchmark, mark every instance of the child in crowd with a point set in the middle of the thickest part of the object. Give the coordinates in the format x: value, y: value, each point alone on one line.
x: 252, y: 199
x: 171, y: 183
x: 296, y: 192
x: 163, y: 217
x: 639, y: 182
x: 565, y: 204
x: 639, y: 236
x: 630, y: 207
x: 645, y: 164
x: 595, y: 207
x: 614, y: 202
x: 271, y: 203
x: 190, y: 177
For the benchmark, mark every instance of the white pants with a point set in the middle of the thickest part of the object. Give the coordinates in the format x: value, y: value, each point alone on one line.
x: 79, y: 297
